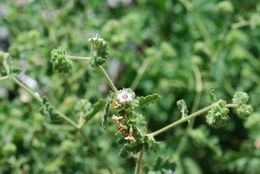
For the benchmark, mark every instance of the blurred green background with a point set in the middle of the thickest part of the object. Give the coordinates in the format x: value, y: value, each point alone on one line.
x: 178, y: 45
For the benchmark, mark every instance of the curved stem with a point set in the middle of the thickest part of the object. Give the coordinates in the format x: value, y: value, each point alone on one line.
x: 92, y: 148
x: 78, y: 58
x: 110, y: 82
x: 139, y: 163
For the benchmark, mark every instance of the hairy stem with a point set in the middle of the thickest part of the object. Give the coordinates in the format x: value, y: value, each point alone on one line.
x: 110, y: 82
x: 92, y: 148
x: 139, y: 162
x: 182, y: 120
x: 78, y: 58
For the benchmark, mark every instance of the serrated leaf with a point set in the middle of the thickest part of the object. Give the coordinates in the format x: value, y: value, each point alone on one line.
x: 146, y: 100
x: 96, y: 108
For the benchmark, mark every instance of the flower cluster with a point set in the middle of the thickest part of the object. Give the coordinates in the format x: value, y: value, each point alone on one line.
x: 98, y: 50
x: 243, y: 110
x: 218, y: 115
x: 123, y: 100
x: 59, y: 60
x: 131, y: 124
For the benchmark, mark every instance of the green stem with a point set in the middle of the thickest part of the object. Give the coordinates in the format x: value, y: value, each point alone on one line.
x: 92, y: 148
x: 138, y: 168
x: 182, y: 120
x: 78, y: 58
x: 110, y: 82
x: 29, y: 91
x: 3, y: 78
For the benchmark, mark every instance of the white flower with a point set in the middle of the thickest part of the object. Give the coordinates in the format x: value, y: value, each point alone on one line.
x: 125, y: 96
x: 96, y: 37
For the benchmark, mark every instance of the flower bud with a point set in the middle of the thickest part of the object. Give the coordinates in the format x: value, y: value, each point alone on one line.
x: 218, y: 115
x: 240, y: 98
x: 244, y: 110
x: 59, y: 60
x: 98, y: 50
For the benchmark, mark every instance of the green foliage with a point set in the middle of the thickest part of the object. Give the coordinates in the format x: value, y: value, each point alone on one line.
x: 208, y: 45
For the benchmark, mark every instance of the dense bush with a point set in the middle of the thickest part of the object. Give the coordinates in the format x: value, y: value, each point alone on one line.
x: 58, y: 114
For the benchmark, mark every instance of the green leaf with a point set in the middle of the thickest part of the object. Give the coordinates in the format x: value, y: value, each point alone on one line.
x: 146, y: 100
x: 182, y: 107
x: 96, y: 108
